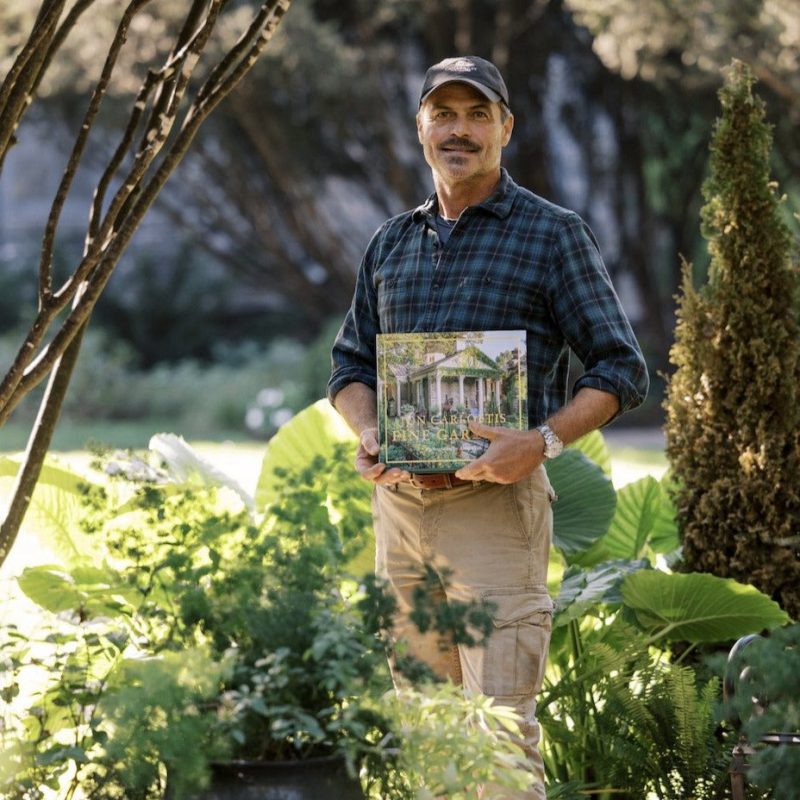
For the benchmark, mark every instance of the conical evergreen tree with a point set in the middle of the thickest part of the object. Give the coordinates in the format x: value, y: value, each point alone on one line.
x: 733, y: 404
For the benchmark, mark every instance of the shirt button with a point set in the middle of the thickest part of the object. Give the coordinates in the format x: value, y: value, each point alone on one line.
x: 436, y: 285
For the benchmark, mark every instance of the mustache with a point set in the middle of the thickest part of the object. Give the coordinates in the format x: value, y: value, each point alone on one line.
x: 461, y: 144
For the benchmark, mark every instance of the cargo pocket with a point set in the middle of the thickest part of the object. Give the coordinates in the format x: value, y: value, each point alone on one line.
x: 516, y: 653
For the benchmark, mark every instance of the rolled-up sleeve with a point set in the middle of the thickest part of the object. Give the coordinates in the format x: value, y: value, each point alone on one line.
x: 353, y: 354
x: 592, y: 319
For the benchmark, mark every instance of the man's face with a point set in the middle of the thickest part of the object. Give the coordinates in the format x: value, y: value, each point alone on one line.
x: 462, y: 133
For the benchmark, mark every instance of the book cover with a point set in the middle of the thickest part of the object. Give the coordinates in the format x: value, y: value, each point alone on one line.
x: 430, y: 385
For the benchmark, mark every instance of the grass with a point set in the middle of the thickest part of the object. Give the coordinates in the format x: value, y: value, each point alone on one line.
x: 70, y: 436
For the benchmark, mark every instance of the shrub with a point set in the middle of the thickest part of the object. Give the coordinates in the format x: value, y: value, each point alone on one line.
x: 733, y: 426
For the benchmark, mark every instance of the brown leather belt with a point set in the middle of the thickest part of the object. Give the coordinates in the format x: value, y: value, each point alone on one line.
x: 437, y: 480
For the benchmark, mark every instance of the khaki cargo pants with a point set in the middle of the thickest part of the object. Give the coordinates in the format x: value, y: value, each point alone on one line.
x: 495, y: 541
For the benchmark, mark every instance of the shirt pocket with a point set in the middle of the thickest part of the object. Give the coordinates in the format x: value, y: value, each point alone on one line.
x: 398, y: 303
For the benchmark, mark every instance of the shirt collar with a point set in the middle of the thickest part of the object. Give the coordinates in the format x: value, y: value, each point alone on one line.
x: 498, y: 203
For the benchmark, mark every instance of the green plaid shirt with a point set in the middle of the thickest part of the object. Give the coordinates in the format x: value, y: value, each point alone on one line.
x: 513, y: 262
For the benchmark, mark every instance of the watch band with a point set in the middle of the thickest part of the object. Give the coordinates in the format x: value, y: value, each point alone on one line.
x: 553, y: 446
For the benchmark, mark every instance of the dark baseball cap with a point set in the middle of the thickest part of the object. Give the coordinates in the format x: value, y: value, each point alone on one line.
x: 475, y: 71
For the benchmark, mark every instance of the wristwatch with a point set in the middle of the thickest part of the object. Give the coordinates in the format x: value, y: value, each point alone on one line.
x: 552, y: 444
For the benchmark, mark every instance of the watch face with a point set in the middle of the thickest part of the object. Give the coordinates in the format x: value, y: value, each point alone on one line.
x: 554, y: 448
x: 552, y: 444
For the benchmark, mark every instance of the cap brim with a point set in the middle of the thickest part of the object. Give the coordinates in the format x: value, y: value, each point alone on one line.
x: 488, y: 93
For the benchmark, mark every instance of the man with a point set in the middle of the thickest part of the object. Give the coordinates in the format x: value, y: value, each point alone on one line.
x: 484, y: 254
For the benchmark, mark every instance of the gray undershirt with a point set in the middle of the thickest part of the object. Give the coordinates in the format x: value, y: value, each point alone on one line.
x: 444, y: 227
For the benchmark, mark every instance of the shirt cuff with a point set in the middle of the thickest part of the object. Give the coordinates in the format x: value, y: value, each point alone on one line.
x: 628, y: 395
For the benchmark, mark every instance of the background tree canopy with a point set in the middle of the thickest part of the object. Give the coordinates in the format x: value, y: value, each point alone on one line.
x: 614, y: 103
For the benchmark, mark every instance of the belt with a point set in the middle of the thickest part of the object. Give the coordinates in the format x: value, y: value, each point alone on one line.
x: 437, y: 480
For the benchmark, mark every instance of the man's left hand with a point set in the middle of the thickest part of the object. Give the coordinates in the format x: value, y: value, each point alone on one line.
x: 512, y: 455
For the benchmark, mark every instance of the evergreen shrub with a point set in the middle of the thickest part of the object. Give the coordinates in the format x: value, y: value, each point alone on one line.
x: 733, y: 403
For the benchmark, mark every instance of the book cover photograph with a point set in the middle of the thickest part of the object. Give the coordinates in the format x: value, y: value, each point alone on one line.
x: 431, y: 385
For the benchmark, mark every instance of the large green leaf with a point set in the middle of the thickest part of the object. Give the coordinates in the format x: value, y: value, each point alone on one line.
x: 664, y: 536
x: 638, y: 504
x: 55, y: 516
x: 50, y: 587
x: 644, y: 522
x: 594, y: 447
x: 582, y: 590
x: 315, y: 431
x: 93, y: 590
x: 56, y: 508
x: 586, y: 501
x: 698, y: 607
x: 52, y: 476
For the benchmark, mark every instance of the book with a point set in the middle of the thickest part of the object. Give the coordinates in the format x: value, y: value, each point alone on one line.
x: 431, y: 385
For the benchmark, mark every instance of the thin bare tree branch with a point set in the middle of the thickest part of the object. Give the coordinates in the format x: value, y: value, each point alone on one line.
x: 46, y: 260
x: 60, y: 36
x: 110, y: 233
x: 15, y: 92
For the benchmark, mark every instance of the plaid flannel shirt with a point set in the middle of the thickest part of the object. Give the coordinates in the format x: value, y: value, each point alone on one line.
x: 516, y: 261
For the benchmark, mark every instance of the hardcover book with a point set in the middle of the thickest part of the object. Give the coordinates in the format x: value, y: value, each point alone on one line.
x: 431, y: 385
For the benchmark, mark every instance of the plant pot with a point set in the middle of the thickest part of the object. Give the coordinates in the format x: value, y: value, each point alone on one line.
x: 304, y: 779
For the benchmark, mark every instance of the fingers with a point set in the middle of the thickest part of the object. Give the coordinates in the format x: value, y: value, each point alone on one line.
x: 369, y: 469
x: 393, y: 475
x: 369, y: 441
x: 367, y: 464
x: 484, y: 431
x: 509, y: 457
x: 377, y: 473
x: 474, y: 471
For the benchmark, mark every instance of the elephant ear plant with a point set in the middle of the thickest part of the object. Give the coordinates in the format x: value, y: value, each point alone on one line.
x: 627, y: 712
x: 193, y: 630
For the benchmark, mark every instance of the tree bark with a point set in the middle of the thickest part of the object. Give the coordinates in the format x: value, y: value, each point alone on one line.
x: 38, y: 445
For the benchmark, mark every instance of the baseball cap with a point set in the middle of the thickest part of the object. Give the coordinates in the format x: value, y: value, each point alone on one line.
x: 475, y: 71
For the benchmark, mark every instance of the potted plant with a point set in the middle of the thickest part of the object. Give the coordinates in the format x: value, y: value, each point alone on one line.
x: 195, y: 645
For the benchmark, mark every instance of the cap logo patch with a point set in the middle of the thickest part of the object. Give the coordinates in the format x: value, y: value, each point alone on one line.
x: 462, y: 65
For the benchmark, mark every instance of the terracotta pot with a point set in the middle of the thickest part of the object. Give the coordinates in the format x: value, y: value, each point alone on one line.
x: 306, y: 779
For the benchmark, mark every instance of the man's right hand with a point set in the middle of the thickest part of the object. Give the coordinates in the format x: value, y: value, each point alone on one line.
x: 367, y: 464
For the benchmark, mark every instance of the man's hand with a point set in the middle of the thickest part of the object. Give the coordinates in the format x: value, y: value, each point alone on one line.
x: 367, y: 464
x: 512, y: 455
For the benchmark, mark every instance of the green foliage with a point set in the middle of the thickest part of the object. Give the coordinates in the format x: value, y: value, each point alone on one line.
x: 239, y: 634
x: 613, y: 704
x: 767, y: 700
x: 626, y: 723
x: 199, y: 632
x: 733, y: 427
x: 642, y: 525
x: 667, y: 741
x: 586, y: 501
x: 594, y: 447
x: 196, y: 398
x: 444, y: 751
